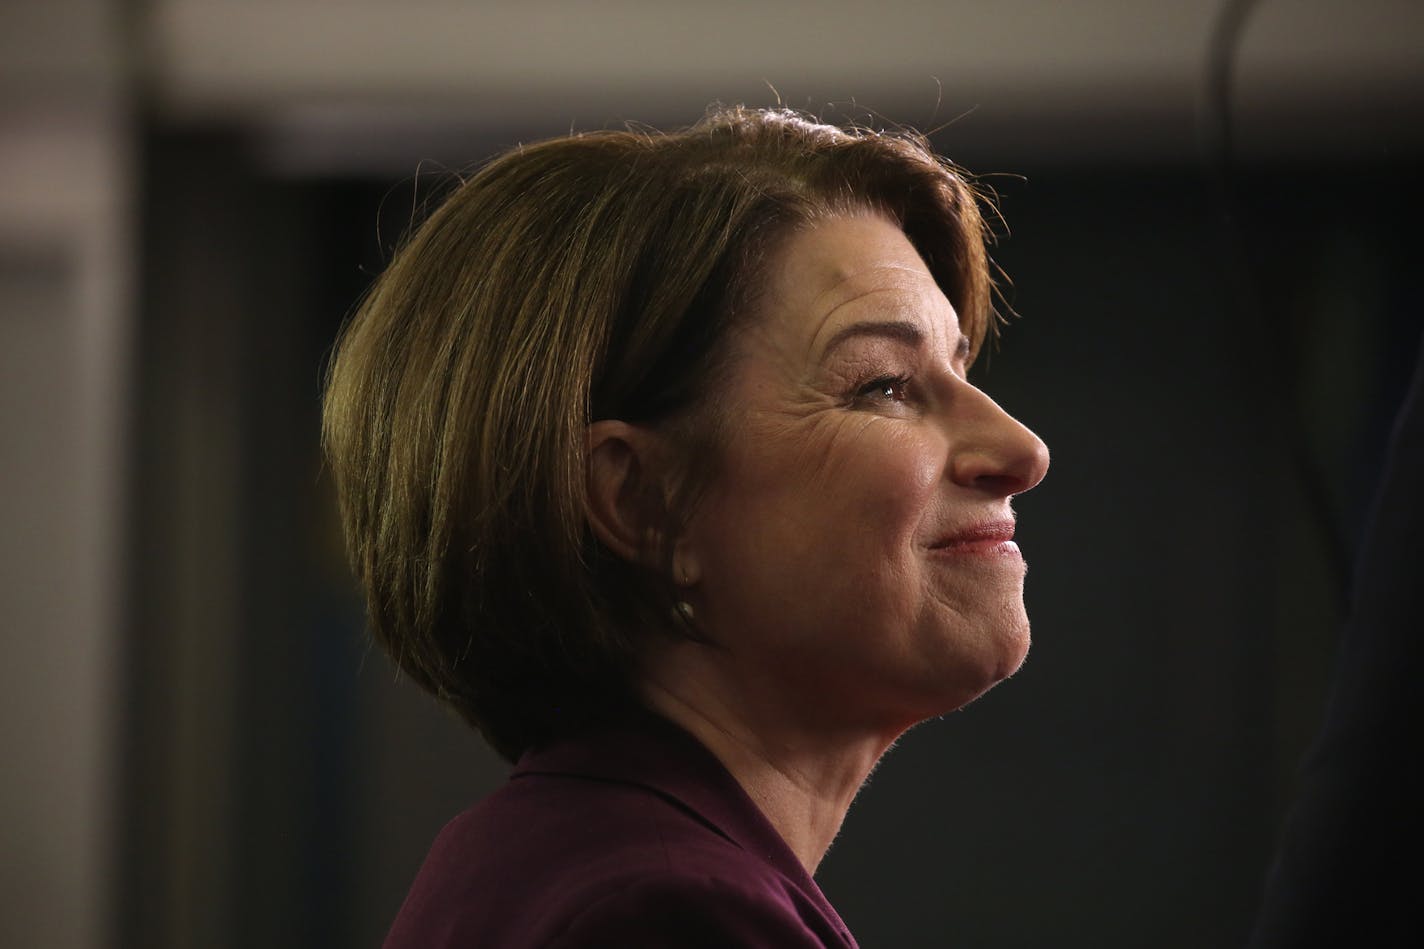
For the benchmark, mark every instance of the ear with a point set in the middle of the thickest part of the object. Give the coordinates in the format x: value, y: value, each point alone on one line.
x: 624, y: 496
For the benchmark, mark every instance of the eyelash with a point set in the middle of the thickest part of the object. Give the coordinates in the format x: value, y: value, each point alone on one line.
x: 875, y: 389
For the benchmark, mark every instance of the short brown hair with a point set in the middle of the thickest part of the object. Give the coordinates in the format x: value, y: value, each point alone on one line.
x: 587, y: 277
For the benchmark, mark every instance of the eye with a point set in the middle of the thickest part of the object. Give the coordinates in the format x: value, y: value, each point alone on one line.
x: 885, y: 389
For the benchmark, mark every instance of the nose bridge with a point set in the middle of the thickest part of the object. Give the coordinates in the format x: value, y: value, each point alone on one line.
x: 988, y: 447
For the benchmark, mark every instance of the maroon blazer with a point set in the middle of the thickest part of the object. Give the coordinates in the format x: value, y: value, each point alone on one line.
x: 635, y: 836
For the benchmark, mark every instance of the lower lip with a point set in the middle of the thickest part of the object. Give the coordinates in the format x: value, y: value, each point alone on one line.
x: 981, y: 548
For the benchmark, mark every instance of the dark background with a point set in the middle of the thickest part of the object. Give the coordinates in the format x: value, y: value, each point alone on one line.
x: 1212, y: 233
x: 1216, y: 398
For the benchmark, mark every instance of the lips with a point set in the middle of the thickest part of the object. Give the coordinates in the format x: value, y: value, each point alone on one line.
x: 986, y: 537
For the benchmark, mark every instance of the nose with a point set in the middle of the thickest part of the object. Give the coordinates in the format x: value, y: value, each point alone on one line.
x: 990, y: 450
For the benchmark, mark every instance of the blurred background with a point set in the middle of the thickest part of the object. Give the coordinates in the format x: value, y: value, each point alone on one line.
x: 1213, y: 215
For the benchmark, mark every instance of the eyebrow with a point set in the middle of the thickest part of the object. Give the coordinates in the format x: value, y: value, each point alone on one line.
x: 901, y: 331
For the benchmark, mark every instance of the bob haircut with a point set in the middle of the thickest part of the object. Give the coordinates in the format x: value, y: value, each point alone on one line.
x: 589, y: 277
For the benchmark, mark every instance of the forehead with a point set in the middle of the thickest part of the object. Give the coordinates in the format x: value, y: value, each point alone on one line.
x: 843, y: 269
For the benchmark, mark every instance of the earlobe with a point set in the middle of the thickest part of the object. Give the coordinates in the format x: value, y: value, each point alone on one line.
x: 686, y: 571
x: 621, y: 507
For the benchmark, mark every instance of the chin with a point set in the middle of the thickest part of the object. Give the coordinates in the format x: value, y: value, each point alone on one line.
x: 1005, y: 649
x: 1014, y: 645
x: 1016, y: 651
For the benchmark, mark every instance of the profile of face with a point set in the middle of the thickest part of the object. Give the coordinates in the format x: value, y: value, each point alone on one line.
x: 853, y: 552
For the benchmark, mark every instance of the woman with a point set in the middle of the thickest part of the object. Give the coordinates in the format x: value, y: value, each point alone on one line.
x: 659, y: 466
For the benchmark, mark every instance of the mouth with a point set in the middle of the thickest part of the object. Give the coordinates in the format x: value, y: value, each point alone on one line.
x: 993, y: 538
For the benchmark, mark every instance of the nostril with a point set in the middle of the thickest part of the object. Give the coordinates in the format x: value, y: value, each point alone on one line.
x: 986, y: 471
x: 1002, y: 484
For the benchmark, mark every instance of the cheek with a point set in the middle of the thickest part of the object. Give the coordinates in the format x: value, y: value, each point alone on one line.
x: 879, y: 470
x: 890, y: 482
x: 845, y: 501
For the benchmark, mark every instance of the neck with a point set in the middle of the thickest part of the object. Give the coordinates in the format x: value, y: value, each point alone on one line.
x: 802, y: 776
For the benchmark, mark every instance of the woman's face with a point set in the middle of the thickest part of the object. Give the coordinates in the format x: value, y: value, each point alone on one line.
x: 852, y: 553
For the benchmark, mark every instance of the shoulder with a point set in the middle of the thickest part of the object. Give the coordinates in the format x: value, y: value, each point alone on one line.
x: 690, y: 910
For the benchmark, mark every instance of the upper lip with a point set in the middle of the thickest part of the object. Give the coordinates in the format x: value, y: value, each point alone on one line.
x: 995, y: 530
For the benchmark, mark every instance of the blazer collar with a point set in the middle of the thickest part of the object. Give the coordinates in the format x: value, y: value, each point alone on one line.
x: 649, y: 751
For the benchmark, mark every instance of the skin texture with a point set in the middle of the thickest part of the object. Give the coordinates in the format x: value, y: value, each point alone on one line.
x: 815, y: 561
